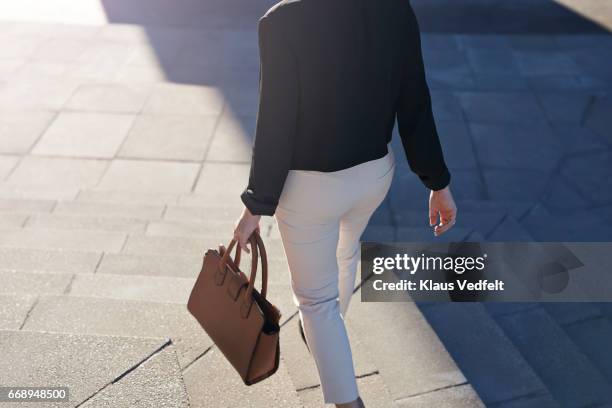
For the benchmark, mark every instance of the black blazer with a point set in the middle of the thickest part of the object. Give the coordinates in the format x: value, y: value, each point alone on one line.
x: 334, y: 76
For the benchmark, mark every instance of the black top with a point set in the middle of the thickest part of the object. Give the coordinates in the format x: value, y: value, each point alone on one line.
x: 334, y: 75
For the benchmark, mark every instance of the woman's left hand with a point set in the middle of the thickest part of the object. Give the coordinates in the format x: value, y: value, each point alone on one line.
x: 245, y: 227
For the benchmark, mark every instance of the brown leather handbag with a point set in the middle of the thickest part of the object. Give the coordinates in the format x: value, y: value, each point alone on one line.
x: 240, y: 320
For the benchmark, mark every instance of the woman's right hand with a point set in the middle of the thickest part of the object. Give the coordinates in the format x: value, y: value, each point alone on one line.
x: 442, y: 211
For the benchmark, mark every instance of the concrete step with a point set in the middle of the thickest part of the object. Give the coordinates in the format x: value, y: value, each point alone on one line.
x: 489, y: 360
x: 564, y: 368
x: 588, y: 328
x: 102, y: 370
x: 212, y: 382
x: 409, y: 356
x: 118, y: 317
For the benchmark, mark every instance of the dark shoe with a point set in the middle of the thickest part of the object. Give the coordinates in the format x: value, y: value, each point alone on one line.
x: 301, y: 328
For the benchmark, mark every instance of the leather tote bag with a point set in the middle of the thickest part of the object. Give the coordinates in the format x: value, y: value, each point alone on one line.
x: 242, y: 323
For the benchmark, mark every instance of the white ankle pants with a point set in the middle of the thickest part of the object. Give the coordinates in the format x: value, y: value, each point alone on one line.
x: 321, y: 216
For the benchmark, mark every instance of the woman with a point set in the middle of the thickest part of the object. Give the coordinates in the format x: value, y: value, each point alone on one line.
x: 334, y: 77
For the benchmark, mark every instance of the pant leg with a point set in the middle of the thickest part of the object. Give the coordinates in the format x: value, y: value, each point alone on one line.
x: 311, y: 253
x: 352, y: 225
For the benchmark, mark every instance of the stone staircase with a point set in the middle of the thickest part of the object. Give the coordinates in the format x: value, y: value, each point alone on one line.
x: 93, y: 294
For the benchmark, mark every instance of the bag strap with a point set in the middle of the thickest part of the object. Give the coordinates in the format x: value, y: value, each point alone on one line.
x: 257, y: 246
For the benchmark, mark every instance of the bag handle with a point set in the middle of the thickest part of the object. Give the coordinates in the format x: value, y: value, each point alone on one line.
x: 256, y: 246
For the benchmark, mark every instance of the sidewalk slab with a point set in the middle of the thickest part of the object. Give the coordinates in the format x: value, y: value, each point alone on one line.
x: 84, y: 315
x: 462, y: 396
x: 405, y: 349
x: 34, y: 283
x: 117, y: 98
x: 49, y: 260
x: 26, y: 205
x: 86, y: 222
x: 110, y: 209
x: 84, y: 363
x: 158, y: 176
x: 184, y: 100
x: 78, y: 240
x: 14, y: 310
x: 81, y: 134
x: 212, y: 382
x: 179, y: 266
x: 57, y: 172
x: 169, y: 137
x: 157, y: 382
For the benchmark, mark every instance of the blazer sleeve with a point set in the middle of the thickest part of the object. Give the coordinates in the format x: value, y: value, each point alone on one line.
x: 415, y: 118
x: 276, y: 120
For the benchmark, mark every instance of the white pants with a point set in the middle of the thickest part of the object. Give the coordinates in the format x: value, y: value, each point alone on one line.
x: 321, y: 216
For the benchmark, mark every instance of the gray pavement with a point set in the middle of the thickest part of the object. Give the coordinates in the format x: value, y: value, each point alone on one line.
x: 125, y: 132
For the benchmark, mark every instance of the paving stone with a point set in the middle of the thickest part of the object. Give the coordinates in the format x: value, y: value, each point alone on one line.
x: 169, y: 137
x: 84, y: 315
x: 516, y: 146
x: 180, y: 266
x: 436, y: 41
x: 233, y: 139
x: 447, y: 62
x: 84, y: 135
x: 590, y: 175
x: 457, y: 144
x: 538, y: 42
x: 49, y: 260
x: 33, y: 283
x: 299, y: 361
x: 563, y: 367
x: 456, y: 397
x: 109, y: 209
x: 14, y: 310
x: 598, y: 118
x: 59, y: 49
x: 186, y: 245
x: 18, y: 47
x: 83, y: 363
x: 191, y: 228
x: 36, y: 93
x: 490, y: 61
x: 445, y: 80
x: 132, y: 287
x: 489, y: 41
x: 224, y: 182
x: 85, y: 222
x: 20, y: 130
x: 423, y: 366
x: 12, y: 220
x: 501, y: 107
x: 156, y: 382
x: 211, y: 381
x: 372, y: 391
x: 562, y: 197
x: 185, y: 100
x: 126, y: 197
x: 509, y: 230
x: 157, y: 176
x: 26, y: 206
x: 79, y: 240
x: 554, y: 83
x: 7, y: 164
x: 565, y: 108
x: 526, y: 185
x: 446, y: 106
x: 578, y: 139
x: 546, y: 63
x: 411, y: 234
x: 12, y: 191
x: 57, y: 172
x: 468, y: 332
x: 496, y: 82
x: 108, y: 98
